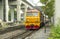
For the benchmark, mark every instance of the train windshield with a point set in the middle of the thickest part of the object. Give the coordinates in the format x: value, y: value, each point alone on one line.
x: 32, y: 14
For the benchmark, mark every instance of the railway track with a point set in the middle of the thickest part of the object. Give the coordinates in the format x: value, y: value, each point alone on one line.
x: 11, y: 37
x: 18, y: 34
x: 23, y: 35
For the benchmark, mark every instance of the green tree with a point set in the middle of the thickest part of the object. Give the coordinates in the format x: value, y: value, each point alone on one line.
x: 44, y: 1
x: 48, y: 8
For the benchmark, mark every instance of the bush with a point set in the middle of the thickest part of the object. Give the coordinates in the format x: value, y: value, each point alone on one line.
x: 55, y: 32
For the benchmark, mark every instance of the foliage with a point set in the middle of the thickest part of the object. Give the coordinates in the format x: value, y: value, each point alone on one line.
x: 44, y: 1
x: 48, y: 8
x: 55, y: 33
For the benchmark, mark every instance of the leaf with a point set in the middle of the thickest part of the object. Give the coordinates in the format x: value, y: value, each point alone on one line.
x: 43, y: 1
x: 48, y: 8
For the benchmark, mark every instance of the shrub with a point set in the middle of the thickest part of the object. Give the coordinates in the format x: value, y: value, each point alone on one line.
x: 55, y: 32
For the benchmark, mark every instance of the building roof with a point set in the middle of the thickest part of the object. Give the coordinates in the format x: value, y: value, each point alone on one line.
x: 23, y: 1
x: 38, y: 8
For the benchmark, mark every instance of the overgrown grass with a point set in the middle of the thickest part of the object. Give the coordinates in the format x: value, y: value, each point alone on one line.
x: 55, y: 32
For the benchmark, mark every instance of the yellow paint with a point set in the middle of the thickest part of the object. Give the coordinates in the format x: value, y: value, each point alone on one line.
x: 33, y: 20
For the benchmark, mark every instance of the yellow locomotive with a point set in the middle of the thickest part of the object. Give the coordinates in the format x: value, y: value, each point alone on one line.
x: 32, y: 19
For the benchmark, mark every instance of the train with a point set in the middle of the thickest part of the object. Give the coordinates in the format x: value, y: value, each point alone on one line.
x: 34, y: 19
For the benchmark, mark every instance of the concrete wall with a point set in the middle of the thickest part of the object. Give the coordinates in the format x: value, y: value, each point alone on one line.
x: 57, y: 11
x: 1, y: 11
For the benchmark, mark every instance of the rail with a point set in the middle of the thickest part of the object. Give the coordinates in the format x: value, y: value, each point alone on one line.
x: 23, y: 35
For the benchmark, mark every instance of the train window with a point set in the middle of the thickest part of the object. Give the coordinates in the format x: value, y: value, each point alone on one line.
x: 32, y: 14
x: 29, y: 14
x: 35, y: 14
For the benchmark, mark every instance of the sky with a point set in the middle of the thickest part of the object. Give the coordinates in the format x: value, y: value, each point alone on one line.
x: 36, y: 2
